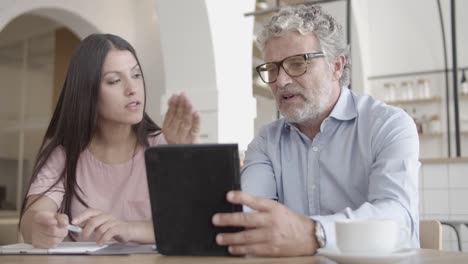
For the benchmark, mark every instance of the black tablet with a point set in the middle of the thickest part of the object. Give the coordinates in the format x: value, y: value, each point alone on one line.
x: 187, y: 186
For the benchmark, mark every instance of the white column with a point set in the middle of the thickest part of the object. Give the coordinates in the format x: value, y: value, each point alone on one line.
x: 207, y: 53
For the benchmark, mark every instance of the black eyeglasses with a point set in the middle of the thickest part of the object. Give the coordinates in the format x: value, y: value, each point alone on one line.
x: 294, y: 66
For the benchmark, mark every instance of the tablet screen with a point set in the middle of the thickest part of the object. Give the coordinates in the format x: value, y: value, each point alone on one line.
x: 187, y: 186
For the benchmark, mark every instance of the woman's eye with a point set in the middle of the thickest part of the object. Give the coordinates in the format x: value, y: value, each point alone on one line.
x: 137, y: 75
x: 113, y: 81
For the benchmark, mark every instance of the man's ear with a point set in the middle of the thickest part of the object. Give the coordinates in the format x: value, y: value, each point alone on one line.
x: 338, y: 67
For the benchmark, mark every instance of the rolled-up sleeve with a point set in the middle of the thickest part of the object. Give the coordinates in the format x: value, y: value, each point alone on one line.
x: 258, y: 177
x: 46, y: 181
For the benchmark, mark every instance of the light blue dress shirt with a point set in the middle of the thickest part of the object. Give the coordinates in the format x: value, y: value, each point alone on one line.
x: 363, y: 164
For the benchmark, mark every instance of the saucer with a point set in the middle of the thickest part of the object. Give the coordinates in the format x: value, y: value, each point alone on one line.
x: 366, y: 258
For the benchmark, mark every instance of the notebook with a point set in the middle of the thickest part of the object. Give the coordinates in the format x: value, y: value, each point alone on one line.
x: 63, y: 248
x: 187, y: 186
x: 79, y: 248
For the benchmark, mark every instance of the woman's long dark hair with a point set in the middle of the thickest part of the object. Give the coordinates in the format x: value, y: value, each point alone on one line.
x: 74, y: 120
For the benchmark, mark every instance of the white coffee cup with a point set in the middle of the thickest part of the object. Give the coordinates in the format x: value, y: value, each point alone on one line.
x: 370, y: 236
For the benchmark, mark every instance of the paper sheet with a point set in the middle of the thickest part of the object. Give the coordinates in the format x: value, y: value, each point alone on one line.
x: 63, y: 248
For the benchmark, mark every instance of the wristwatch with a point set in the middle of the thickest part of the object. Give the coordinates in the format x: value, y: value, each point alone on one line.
x: 320, y: 234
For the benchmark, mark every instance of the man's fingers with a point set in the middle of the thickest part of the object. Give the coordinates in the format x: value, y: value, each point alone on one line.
x: 248, y: 220
x: 251, y: 236
x: 260, y: 249
x: 256, y: 203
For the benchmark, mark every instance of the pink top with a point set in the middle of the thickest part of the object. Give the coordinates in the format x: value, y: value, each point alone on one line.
x: 117, y: 189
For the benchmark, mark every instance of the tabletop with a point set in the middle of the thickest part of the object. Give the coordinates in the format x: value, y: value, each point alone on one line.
x: 425, y: 256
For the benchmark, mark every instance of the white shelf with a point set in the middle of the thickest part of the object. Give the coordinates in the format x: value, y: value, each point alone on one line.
x: 463, y: 133
x: 416, y: 101
x: 27, y: 125
x: 430, y: 135
x: 9, y: 217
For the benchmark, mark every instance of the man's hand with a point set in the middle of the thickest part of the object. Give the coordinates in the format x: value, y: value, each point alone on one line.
x: 48, y: 229
x: 181, y: 124
x: 273, y: 230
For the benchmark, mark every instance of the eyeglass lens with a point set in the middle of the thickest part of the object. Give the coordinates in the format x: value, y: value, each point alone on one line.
x: 294, y: 66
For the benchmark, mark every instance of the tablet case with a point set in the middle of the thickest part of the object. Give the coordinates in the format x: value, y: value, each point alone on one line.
x: 187, y: 186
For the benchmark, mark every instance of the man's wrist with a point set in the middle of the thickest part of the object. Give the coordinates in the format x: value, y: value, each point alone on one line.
x: 320, y: 236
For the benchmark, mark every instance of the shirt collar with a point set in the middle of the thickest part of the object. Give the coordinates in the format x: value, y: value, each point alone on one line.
x: 345, y: 108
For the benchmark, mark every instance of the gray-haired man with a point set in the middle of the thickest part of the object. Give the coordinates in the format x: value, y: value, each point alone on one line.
x: 335, y: 155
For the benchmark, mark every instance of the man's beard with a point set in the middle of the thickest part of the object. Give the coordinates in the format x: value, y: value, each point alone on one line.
x: 313, y: 106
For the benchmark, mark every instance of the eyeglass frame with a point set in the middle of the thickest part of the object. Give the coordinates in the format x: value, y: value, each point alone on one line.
x: 279, y: 64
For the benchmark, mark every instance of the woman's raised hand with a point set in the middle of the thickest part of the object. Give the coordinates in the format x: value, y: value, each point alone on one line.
x: 181, y: 124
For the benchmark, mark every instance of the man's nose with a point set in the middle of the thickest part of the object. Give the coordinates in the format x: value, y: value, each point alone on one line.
x: 283, y: 78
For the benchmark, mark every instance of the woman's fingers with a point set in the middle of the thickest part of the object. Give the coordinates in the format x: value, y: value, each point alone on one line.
x: 85, y: 215
x: 48, y: 229
x: 181, y: 124
x: 171, y: 111
x: 94, y: 223
x: 195, y: 130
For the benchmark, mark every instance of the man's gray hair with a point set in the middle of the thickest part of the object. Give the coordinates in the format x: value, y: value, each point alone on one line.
x: 306, y: 20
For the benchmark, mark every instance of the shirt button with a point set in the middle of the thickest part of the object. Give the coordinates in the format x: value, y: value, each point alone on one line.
x: 315, y: 149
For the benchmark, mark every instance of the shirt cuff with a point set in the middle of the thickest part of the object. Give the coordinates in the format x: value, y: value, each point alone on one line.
x: 328, y: 225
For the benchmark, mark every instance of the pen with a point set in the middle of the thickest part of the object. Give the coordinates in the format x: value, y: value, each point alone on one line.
x: 74, y: 228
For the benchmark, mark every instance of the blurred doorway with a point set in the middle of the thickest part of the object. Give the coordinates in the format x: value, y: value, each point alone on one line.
x: 34, y: 56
